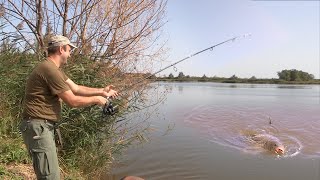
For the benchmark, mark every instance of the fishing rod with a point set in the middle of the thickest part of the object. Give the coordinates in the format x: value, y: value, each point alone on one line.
x: 109, y: 109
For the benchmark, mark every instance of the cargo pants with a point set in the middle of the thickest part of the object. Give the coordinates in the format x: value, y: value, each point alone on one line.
x: 38, y: 136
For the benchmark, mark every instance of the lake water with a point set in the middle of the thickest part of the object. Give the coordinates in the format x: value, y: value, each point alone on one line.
x: 200, y: 133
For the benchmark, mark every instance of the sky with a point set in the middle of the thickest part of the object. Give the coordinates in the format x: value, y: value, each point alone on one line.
x: 284, y: 35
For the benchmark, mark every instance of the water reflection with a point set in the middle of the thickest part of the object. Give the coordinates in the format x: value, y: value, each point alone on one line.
x: 233, y: 86
x: 294, y: 87
x: 180, y: 88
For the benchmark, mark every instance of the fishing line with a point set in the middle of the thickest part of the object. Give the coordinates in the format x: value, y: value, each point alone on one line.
x: 109, y: 109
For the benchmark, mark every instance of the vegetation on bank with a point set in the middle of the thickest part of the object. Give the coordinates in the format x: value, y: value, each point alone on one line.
x: 285, y: 77
x: 91, y: 140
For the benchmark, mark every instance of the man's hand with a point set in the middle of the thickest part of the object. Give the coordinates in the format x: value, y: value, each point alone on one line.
x: 101, y: 101
x: 109, y: 91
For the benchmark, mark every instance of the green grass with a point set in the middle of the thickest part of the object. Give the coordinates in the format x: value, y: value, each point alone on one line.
x: 6, y: 175
x: 13, y: 151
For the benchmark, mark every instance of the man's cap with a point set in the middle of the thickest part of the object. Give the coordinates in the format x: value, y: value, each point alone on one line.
x: 60, y: 40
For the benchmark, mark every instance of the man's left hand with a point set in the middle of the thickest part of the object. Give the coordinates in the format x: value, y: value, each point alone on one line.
x: 109, y: 91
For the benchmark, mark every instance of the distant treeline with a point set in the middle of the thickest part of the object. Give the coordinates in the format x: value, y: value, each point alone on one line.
x: 292, y: 76
x: 295, y: 75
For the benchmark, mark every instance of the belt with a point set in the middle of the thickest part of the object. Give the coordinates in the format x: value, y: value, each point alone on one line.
x: 40, y: 120
x: 55, y: 128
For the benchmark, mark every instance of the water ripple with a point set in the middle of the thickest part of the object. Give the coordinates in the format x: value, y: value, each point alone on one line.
x: 225, y: 124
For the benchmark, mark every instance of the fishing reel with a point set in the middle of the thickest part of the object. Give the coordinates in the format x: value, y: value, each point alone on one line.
x: 110, y: 109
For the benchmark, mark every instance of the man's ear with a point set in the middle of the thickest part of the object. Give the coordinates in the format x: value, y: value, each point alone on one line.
x: 61, y: 49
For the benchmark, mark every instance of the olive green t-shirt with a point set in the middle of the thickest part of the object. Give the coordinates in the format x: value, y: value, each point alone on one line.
x: 43, y: 85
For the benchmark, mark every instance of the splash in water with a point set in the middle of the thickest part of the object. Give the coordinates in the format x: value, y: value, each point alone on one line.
x: 284, y: 146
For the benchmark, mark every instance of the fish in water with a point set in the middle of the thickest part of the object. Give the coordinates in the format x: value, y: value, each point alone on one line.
x: 269, y: 142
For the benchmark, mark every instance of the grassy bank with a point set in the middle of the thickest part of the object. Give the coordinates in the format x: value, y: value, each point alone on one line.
x: 15, y: 162
x: 91, y: 140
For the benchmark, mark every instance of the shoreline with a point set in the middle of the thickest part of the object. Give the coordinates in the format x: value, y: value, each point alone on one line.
x: 241, y: 81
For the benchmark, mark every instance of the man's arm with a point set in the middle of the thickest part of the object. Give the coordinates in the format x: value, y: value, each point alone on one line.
x: 83, y: 90
x: 80, y: 101
x: 88, y: 91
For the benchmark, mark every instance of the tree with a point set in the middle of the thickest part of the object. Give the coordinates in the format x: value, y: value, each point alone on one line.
x: 294, y: 75
x: 171, y: 76
x: 181, y: 75
x: 117, y: 31
x: 284, y: 75
x: 150, y: 76
x: 233, y: 77
x: 204, y: 77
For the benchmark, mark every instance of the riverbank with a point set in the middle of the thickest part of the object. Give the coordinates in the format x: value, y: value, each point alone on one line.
x: 16, y: 171
x: 15, y: 162
x: 246, y: 81
x: 90, y: 142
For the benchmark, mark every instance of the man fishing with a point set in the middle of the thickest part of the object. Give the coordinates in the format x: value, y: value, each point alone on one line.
x: 46, y: 86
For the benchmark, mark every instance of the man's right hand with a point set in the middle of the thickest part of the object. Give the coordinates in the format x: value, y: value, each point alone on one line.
x: 81, y: 101
x: 101, y: 101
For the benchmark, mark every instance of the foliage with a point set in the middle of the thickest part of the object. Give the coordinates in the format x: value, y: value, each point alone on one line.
x: 180, y: 75
x: 252, y: 80
x: 204, y: 77
x: 5, y: 174
x: 14, y: 68
x: 2, y: 170
x: 11, y: 150
x: 233, y: 77
x: 285, y: 77
x: 118, y: 32
x: 295, y: 75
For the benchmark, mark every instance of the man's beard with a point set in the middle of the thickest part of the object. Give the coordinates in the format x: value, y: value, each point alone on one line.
x: 64, y: 60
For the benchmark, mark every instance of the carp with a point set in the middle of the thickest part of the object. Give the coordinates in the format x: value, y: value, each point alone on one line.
x: 269, y: 142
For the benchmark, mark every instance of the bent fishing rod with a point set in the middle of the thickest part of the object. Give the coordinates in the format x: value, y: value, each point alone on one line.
x: 109, y: 109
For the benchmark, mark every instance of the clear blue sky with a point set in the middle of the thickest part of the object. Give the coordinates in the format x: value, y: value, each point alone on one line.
x: 285, y: 35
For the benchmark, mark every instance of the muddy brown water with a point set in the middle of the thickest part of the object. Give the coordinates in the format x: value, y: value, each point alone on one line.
x: 208, y: 123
